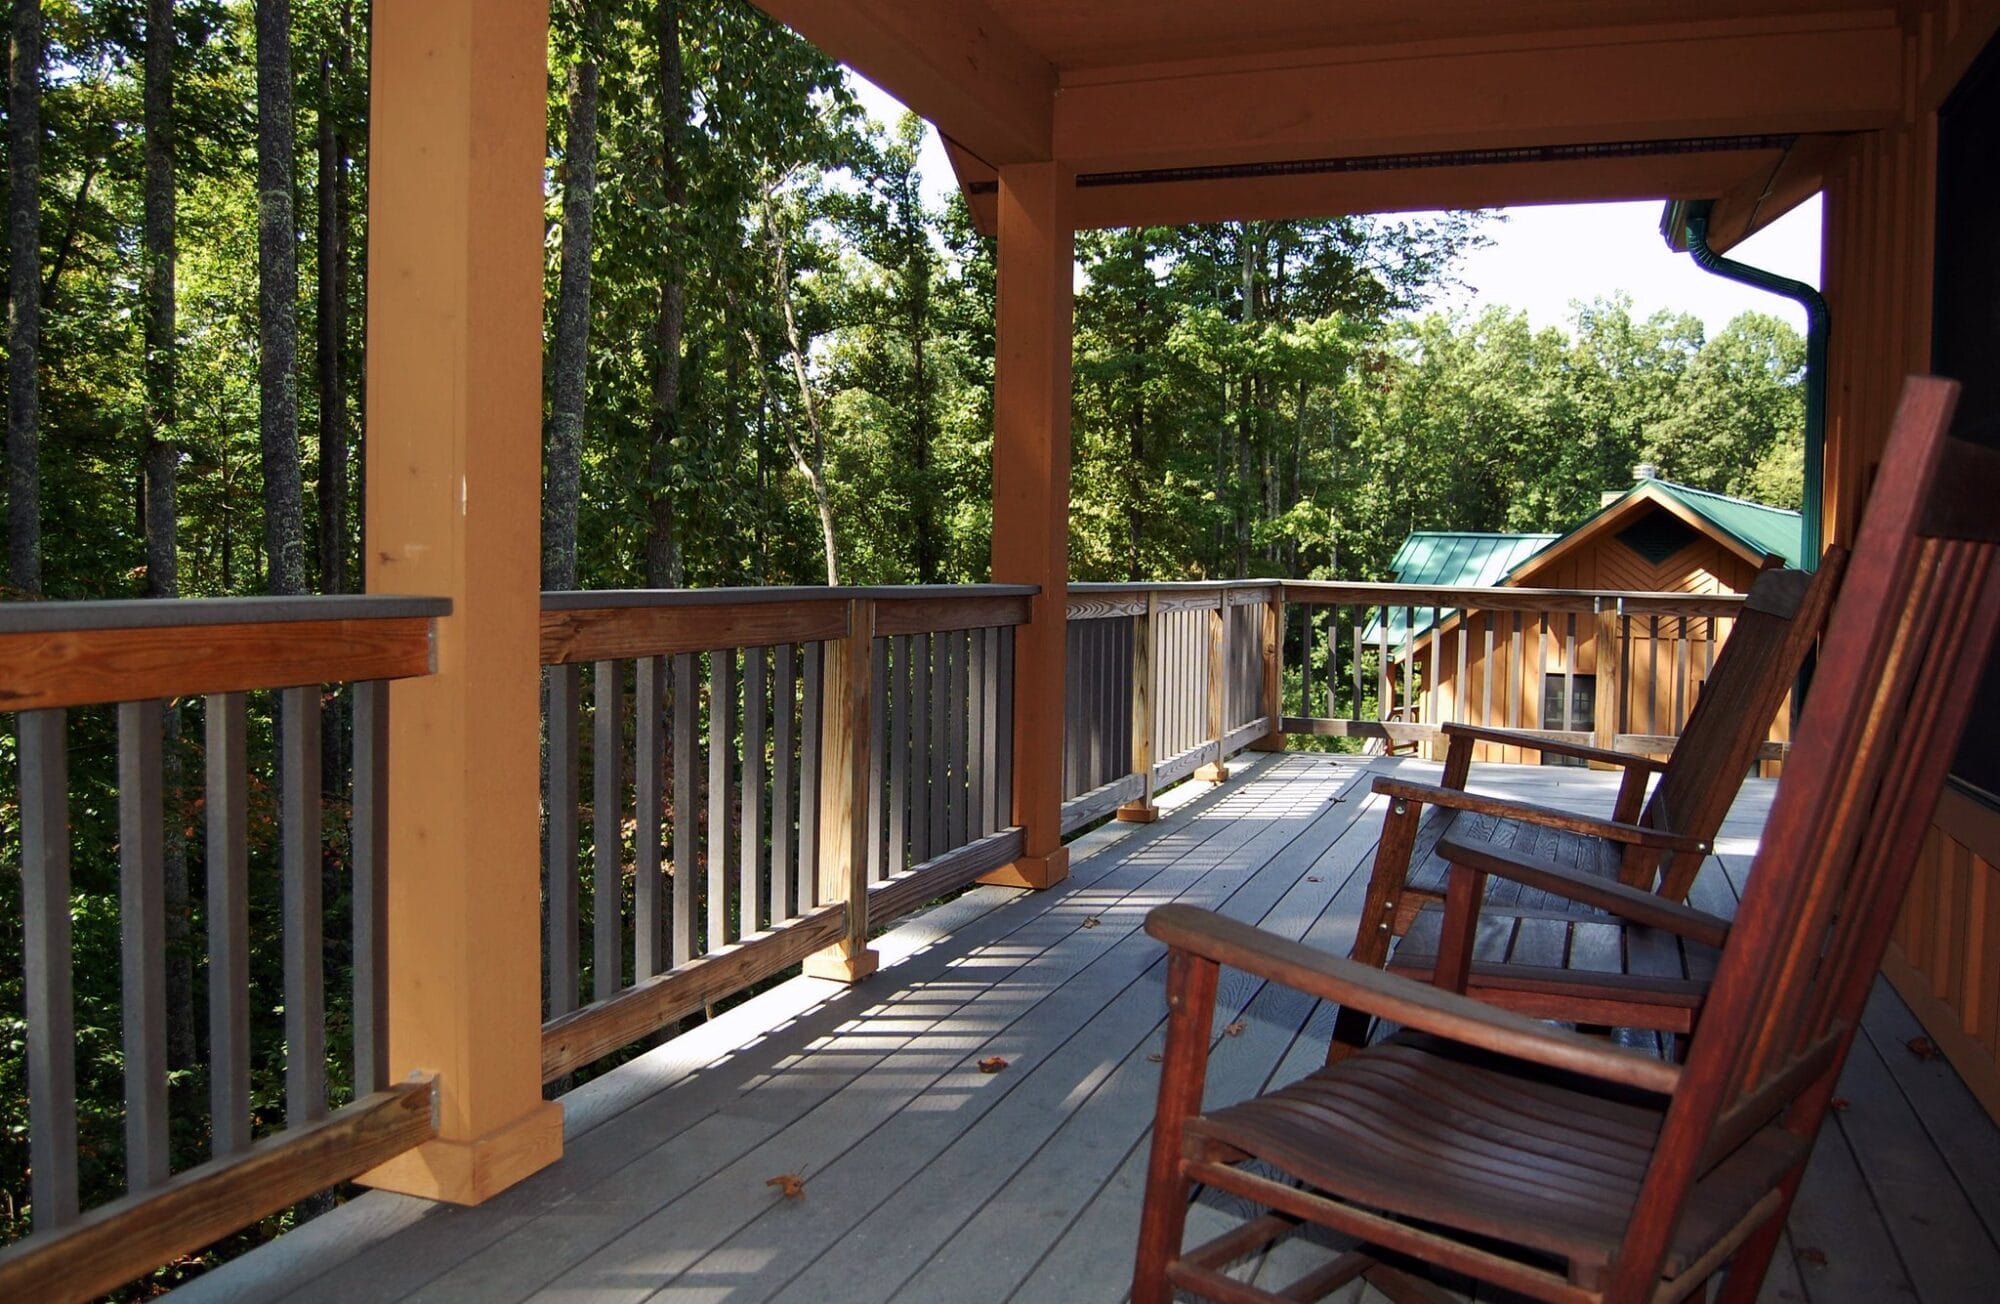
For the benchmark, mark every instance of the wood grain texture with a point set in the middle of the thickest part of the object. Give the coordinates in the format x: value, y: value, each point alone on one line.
x: 604, y: 633
x: 119, y: 1241
x: 61, y: 668
x: 581, y: 1036
x: 944, y: 614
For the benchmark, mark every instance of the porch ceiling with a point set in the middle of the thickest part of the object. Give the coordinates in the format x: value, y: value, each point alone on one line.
x: 1177, y: 110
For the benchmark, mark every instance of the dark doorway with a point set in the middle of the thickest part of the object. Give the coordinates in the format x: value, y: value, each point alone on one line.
x: 1965, y: 336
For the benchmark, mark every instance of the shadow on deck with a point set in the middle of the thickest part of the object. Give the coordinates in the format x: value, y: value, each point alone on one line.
x: 926, y: 1179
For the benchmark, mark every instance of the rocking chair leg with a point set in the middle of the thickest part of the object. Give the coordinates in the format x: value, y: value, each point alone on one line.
x: 1378, y: 917
x: 1191, y: 984
x: 1743, y: 1279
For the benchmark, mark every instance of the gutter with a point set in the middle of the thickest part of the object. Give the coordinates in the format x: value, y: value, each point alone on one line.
x: 1689, y: 220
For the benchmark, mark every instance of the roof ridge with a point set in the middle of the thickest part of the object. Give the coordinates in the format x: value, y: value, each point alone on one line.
x: 1710, y: 493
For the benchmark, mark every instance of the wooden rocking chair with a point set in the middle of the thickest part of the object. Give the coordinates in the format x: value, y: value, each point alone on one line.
x: 1534, y: 927
x: 1551, y: 1163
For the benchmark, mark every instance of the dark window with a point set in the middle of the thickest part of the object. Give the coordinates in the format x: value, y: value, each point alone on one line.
x: 1657, y: 535
x: 1582, y: 709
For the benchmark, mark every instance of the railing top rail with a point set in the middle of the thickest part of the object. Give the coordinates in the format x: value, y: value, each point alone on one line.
x: 58, y: 655
x: 1512, y: 599
x: 169, y: 613
x: 1170, y: 586
x: 600, y: 599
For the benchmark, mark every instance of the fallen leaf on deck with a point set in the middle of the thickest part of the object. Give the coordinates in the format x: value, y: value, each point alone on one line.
x: 1314, y: 878
x: 1837, y: 1104
x: 992, y: 1064
x: 792, y: 1184
x: 1155, y: 1058
x: 1235, y: 1029
x: 1924, y: 1048
x: 1090, y: 921
x: 1812, y: 1254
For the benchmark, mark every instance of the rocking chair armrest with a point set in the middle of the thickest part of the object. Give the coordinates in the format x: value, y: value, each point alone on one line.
x: 1611, y: 830
x: 1630, y: 903
x: 1536, y: 742
x: 1402, y: 1000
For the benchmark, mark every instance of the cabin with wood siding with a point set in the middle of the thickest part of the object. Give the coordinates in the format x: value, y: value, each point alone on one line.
x: 1543, y: 670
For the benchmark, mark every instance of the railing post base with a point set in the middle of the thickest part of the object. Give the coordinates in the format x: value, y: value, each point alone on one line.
x: 471, y: 1172
x: 1035, y: 872
x: 1138, y: 812
x: 1213, y: 772
x: 838, y: 964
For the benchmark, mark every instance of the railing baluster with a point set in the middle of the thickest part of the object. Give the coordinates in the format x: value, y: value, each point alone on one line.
x: 1569, y: 671
x: 806, y: 883
x: 1354, y: 707
x: 687, y: 814
x: 1680, y: 675
x: 142, y: 943
x: 940, y: 742
x: 563, y: 977
x: 1486, y: 669
x: 607, y: 875
x: 371, y: 884
x: 227, y: 801
x: 784, y: 779
x: 955, y: 777
x: 750, y: 805
x: 44, y: 756
x: 1003, y: 777
x: 648, y: 788
x: 721, y: 740
x: 898, y: 750
x: 305, y: 976
x: 919, y: 753
x: 977, y: 771
x: 878, y: 728
x: 996, y: 725
x: 1517, y: 669
x: 1653, y: 674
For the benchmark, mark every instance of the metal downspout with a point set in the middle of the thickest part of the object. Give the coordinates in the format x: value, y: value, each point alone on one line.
x: 1817, y: 323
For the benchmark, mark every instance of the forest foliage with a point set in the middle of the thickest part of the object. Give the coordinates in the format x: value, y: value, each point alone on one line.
x: 777, y: 368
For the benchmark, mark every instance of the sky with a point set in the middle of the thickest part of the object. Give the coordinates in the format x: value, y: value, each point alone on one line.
x: 1544, y: 258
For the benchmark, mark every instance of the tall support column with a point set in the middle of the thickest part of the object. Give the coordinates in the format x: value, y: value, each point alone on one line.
x: 1031, y: 402
x: 457, y: 146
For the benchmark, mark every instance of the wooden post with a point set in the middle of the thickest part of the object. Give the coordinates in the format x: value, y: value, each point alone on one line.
x: 1144, y: 629
x: 844, y: 793
x: 1610, y: 677
x: 1274, y: 675
x: 1031, y: 432
x: 1218, y: 690
x: 455, y: 223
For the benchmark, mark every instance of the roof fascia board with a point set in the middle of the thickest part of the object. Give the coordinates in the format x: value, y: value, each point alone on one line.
x: 1616, y: 513
x: 1809, y: 73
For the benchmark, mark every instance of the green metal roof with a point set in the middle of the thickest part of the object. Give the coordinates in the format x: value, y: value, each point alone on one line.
x: 1451, y: 559
x: 1763, y: 530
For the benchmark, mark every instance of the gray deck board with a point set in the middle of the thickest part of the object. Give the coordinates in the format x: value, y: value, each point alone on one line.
x: 929, y: 1180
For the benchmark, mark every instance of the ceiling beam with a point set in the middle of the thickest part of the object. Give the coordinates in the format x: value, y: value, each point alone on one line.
x: 953, y: 61
x: 1818, y: 73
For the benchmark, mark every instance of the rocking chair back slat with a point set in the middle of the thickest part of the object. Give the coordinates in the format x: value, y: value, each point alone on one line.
x: 1900, y: 664
x: 1782, y: 612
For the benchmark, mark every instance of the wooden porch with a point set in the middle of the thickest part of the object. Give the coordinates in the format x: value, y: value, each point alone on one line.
x: 927, y: 1179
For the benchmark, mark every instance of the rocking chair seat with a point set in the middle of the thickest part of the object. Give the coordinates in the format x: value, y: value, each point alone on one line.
x: 1556, y: 964
x: 1431, y: 1139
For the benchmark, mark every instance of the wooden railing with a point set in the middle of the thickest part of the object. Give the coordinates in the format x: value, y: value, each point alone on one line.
x: 805, y: 764
x: 1396, y: 662
x: 1164, y: 680
x: 114, y: 676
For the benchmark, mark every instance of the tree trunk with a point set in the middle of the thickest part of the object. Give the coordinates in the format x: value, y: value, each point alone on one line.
x: 331, y: 337
x: 569, y: 352
x: 277, y: 304
x: 160, y: 469
x: 24, y: 301
x: 663, y: 553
